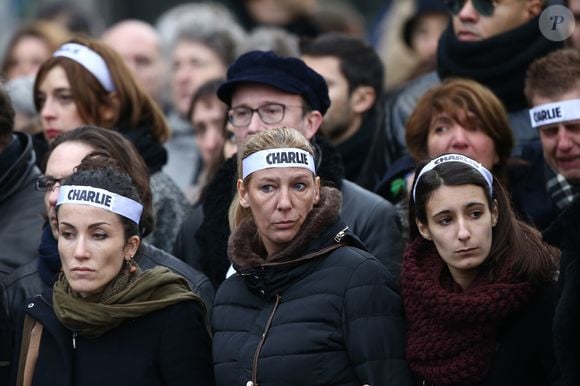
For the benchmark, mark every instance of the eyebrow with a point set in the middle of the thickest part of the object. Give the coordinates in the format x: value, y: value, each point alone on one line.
x: 94, y: 225
x: 468, y: 206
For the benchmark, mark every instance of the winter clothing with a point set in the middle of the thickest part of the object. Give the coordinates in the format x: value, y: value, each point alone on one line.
x: 203, y: 241
x: 496, y: 332
x: 166, y: 346
x: 491, y: 62
x: 21, y: 205
x: 563, y: 233
x: 321, y: 311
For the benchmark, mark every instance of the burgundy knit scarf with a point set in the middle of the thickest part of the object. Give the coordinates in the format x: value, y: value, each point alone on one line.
x: 451, y: 333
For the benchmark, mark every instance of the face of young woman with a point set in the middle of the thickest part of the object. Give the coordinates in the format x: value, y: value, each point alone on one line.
x: 92, y: 246
x: 58, y: 110
x: 460, y: 223
x: 279, y: 199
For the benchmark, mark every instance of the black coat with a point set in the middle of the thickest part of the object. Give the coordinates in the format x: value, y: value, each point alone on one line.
x: 332, y: 319
x: 168, y: 347
x: 564, y: 234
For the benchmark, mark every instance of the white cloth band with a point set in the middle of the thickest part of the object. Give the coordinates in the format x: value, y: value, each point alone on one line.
x: 100, y: 198
x: 277, y: 158
x: 456, y: 158
x: 556, y: 112
x: 90, y: 60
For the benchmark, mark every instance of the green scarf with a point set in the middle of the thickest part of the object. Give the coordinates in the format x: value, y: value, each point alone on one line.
x: 126, y: 297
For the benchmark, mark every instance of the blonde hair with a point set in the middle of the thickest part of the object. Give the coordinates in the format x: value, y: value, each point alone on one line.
x: 281, y: 137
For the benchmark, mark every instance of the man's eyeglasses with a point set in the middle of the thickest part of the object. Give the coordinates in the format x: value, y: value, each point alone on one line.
x: 47, y: 183
x: 270, y: 114
x: 483, y: 7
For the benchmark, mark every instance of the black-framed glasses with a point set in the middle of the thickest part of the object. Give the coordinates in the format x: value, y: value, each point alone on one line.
x: 270, y: 114
x: 483, y: 7
x: 47, y: 183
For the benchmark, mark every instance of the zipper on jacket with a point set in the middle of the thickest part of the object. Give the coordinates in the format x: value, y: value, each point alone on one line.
x: 338, y: 237
x: 74, y: 340
x: 262, y: 340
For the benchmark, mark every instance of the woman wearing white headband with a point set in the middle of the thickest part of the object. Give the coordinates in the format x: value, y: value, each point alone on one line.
x: 477, y: 283
x: 105, y: 322
x: 86, y: 82
x: 308, y: 305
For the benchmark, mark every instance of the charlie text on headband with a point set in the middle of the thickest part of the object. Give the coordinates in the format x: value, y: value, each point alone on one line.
x: 277, y: 158
x: 90, y: 60
x: 550, y: 113
x: 456, y: 158
x: 100, y: 198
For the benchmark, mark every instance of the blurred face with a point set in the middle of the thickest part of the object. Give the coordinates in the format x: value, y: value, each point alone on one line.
x: 254, y: 96
x: 279, y: 199
x: 59, y: 166
x: 27, y: 56
x: 92, y: 246
x: 230, y: 147
x: 278, y: 12
x: 208, y: 120
x: 340, y: 118
x: 140, y: 51
x: 470, y: 26
x: 574, y: 6
x: 448, y: 136
x: 193, y: 64
x: 58, y: 111
x: 460, y: 223
x: 426, y: 35
x: 561, y: 141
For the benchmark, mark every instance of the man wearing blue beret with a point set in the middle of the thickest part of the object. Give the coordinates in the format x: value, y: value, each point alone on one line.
x: 264, y: 91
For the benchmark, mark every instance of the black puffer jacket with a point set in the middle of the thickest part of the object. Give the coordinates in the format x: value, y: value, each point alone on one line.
x: 563, y: 233
x: 203, y: 237
x: 321, y: 312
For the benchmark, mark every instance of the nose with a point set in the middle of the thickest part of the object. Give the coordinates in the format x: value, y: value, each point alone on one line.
x: 564, y: 142
x: 463, y: 233
x: 53, y: 195
x: 284, y: 203
x: 81, y: 251
x: 459, y: 138
x: 47, y: 112
x: 215, y: 140
x: 255, y: 124
x: 468, y: 12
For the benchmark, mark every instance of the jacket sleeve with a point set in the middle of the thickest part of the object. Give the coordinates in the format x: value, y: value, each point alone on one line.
x: 375, y: 327
x: 185, y: 357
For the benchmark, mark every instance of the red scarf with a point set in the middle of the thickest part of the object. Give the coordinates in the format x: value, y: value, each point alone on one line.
x: 451, y: 333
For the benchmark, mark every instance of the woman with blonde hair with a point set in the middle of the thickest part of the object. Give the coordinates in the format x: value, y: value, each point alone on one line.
x: 305, y: 291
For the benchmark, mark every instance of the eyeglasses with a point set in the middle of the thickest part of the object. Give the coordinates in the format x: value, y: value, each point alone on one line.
x: 483, y: 7
x: 47, y: 183
x: 270, y: 114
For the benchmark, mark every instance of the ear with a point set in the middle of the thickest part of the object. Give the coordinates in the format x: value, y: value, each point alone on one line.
x: 534, y: 8
x: 132, y: 245
x: 423, y: 230
x: 494, y: 213
x: 317, y: 187
x: 110, y: 111
x: 242, y: 193
x: 312, y: 122
x: 362, y: 99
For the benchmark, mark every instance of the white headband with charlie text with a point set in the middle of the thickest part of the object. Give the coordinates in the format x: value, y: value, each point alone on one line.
x: 456, y: 158
x: 90, y: 60
x: 277, y: 158
x: 100, y: 198
x: 556, y: 112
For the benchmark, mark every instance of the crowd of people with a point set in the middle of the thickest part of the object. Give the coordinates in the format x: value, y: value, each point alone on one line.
x: 245, y: 198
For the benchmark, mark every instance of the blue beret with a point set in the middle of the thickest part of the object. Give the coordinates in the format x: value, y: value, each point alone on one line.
x: 288, y: 74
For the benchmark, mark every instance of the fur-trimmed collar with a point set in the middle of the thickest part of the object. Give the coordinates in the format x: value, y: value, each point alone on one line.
x: 247, y: 251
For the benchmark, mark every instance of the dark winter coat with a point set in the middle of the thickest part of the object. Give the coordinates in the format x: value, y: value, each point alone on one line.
x: 202, y: 240
x: 564, y: 234
x: 166, y: 347
x: 325, y: 314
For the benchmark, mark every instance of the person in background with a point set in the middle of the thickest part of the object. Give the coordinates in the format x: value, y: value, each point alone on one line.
x: 87, y: 82
x: 209, y: 119
x: 297, y: 264
x: 103, y: 305
x: 353, y: 72
x: 264, y: 91
x: 574, y: 7
x: 553, y: 91
x: 139, y: 44
x: 202, y: 39
x: 478, y: 285
x: 65, y: 153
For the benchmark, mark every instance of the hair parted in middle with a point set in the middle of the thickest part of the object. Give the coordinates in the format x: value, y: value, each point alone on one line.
x: 277, y: 138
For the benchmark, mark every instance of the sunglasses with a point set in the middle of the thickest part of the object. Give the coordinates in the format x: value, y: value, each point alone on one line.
x: 483, y: 7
